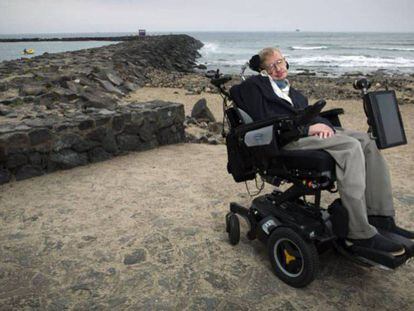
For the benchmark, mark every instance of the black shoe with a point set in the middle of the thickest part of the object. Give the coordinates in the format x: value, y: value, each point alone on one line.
x: 379, y: 243
x: 387, y: 223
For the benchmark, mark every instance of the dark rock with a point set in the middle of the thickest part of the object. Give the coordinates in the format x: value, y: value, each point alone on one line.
x: 106, y: 137
x: 99, y: 121
x: 15, y: 160
x: 5, y: 110
x: 37, y: 159
x: 3, y: 153
x: 72, y: 86
x: 14, y: 102
x: 146, y: 131
x: 48, y: 100
x: 86, y: 124
x: 64, y: 94
x: 128, y: 142
x: 66, y: 141
x: 137, y: 256
x: 84, y: 145
x: 97, y: 99
x: 110, y: 87
x: 28, y: 171
x: 67, y: 158
x: 171, y: 135
x: 6, y: 128
x: 5, y: 176
x: 117, y: 123
x: 200, y: 111
x: 39, y: 136
x: 98, y: 154
x: 17, y: 140
x: 132, y: 129
x: 215, y: 127
x: 114, y: 79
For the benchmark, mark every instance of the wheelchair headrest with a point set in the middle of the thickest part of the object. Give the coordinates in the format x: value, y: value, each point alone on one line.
x: 254, y: 63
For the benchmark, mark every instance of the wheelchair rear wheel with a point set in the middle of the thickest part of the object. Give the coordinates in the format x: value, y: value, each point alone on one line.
x: 233, y: 228
x: 294, y: 260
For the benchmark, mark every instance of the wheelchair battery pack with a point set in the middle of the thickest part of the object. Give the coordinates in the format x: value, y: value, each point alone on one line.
x: 384, y: 118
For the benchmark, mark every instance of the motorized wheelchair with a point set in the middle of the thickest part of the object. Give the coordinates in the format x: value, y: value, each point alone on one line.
x: 295, y: 230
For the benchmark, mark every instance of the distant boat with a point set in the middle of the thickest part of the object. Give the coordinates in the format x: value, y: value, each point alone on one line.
x: 28, y: 51
x: 297, y: 29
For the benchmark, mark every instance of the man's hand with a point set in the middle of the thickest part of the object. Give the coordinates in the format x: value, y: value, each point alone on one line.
x: 321, y: 130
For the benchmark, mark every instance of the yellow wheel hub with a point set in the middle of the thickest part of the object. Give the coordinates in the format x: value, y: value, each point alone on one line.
x: 288, y: 257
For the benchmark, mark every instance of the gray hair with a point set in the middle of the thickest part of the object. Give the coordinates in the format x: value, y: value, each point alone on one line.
x: 265, y: 53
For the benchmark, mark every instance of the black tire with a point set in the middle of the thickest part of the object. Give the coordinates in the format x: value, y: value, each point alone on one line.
x: 233, y: 228
x: 294, y: 260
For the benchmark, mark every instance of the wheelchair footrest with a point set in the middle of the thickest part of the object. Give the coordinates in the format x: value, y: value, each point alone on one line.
x: 375, y: 257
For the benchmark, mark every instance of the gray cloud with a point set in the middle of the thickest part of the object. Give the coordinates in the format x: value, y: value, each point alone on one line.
x: 47, y: 16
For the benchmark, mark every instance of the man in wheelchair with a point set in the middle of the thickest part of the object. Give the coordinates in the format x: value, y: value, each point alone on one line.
x: 361, y: 172
x: 273, y: 132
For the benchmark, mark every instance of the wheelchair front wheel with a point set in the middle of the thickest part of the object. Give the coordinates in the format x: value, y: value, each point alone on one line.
x: 294, y: 260
x: 233, y: 228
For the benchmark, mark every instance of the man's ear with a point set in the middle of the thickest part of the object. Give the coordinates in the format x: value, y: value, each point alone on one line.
x: 287, y: 64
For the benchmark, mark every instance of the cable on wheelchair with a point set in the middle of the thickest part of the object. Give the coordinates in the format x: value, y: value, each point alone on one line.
x: 259, y: 189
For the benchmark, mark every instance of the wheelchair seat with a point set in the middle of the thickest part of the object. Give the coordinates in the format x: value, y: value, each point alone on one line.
x: 304, y: 161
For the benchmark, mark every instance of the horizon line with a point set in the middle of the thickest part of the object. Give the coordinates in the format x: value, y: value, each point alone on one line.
x: 209, y: 31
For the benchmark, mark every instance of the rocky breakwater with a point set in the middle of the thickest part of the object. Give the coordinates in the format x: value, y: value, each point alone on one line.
x: 62, y: 110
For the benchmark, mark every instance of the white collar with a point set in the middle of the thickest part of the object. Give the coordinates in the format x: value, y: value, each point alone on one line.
x: 282, y: 93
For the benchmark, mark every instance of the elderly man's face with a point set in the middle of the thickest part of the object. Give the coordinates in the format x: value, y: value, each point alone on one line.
x: 276, y: 66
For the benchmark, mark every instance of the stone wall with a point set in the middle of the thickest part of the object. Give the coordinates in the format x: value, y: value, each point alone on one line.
x: 37, y: 146
x: 62, y: 110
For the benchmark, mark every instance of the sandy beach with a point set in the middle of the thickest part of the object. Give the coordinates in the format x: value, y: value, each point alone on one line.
x: 145, y: 231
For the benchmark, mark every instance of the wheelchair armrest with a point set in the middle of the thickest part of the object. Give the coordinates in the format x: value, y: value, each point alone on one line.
x: 279, y: 123
x: 272, y: 133
x: 333, y: 115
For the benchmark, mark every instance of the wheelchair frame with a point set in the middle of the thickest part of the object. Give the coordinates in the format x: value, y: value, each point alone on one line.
x: 296, y: 231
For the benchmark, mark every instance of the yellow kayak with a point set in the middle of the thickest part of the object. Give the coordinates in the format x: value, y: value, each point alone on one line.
x: 28, y: 51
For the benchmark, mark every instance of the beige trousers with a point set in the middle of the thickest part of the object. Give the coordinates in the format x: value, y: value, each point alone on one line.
x: 362, y: 175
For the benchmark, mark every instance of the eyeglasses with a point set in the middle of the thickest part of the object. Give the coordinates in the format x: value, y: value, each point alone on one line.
x: 278, y: 63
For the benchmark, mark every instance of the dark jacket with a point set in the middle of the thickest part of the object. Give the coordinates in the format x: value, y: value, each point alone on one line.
x: 257, y: 98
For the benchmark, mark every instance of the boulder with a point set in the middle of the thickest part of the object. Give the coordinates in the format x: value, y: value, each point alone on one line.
x: 201, y: 112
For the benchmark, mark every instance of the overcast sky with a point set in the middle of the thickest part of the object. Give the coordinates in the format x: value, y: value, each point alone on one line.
x: 56, y: 16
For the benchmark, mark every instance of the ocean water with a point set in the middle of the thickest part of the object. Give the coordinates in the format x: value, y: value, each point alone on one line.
x: 325, y: 53
x: 331, y: 53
